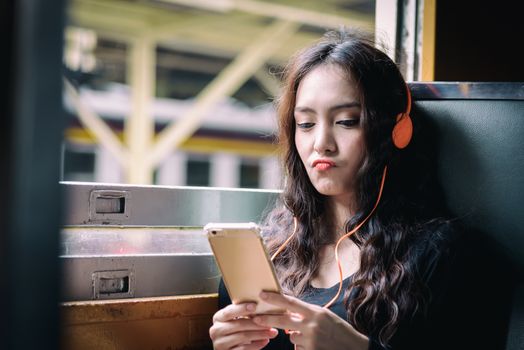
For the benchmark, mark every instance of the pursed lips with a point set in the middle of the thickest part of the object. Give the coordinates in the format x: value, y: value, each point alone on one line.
x: 323, y: 164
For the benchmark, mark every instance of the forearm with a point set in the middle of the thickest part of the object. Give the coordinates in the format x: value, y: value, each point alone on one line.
x: 347, y: 337
x: 359, y: 342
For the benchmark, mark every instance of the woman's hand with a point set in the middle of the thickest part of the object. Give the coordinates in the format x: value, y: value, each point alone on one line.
x: 234, y: 329
x: 311, y: 326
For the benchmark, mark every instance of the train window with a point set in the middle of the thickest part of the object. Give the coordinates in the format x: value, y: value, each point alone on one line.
x: 198, y: 170
x: 78, y: 163
x: 249, y: 174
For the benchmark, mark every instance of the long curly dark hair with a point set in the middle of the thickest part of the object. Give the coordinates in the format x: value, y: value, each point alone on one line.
x: 385, y: 290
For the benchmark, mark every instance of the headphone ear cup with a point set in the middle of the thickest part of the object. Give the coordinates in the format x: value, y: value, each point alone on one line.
x: 403, y: 131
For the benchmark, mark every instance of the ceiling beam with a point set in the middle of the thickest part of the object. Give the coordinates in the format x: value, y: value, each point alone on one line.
x: 280, y: 11
x: 96, y: 126
x: 225, y: 84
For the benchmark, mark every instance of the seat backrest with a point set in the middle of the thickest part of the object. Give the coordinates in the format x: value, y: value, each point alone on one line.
x: 478, y: 130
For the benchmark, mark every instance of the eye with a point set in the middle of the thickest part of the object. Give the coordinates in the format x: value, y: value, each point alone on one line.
x: 306, y: 125
x: 348, y: 123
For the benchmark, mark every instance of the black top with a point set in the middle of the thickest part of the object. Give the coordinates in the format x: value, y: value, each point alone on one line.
x: 317, y: 296
x: 428, y: 329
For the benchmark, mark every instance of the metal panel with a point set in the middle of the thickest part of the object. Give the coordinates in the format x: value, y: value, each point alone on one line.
x: 121, y: 241
x: 164, y: 205
x: 151, y: 275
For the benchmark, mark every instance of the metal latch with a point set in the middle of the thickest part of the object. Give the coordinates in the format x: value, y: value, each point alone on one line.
x: 109, y: 206
x: 113, y: 284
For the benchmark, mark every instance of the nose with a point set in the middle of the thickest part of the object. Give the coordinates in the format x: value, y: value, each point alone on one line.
x: 324, y: 140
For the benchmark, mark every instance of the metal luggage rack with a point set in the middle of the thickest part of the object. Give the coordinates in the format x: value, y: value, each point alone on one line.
x: 127, y: 241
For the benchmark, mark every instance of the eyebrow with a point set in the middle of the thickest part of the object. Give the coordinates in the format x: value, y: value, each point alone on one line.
x: 331, y: 109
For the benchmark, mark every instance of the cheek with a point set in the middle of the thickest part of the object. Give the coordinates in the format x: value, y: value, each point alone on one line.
x: 360, y: 151
x: 301, y: 148
x: 360, y: 161
x: 356, y: 152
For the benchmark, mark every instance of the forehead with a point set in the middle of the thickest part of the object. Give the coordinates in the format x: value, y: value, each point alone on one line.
x: 327, y: 83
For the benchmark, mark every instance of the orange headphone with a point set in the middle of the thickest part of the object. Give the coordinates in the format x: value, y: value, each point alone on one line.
x: 403, y: 130
x: 401, y: 135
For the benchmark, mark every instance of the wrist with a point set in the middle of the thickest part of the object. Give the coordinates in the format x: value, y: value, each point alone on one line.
x: 354, y: 339
x: 358, y: 341
x: 361, y: 341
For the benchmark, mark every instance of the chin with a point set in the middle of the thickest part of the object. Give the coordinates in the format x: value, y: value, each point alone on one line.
x: 329, y: 191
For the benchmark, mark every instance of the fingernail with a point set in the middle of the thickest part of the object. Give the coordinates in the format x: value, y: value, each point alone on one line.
x: 273, y: 332
x: 250, y: 307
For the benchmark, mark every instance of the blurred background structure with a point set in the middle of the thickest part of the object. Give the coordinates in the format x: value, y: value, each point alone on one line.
x: 178, y: 92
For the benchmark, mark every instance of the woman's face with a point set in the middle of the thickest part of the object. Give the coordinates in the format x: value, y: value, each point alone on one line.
x: 329, y: 136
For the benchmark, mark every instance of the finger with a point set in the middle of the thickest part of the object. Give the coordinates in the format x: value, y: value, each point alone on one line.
x: 296, y: 338
x: 243, y: 338
x: 233, y: 311
x: 288, y: 302
x: 240, y: 325
x: 257, y: 344
x: 286, y: 321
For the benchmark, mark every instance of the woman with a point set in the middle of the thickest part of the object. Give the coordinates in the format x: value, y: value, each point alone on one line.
x: 347, y: 176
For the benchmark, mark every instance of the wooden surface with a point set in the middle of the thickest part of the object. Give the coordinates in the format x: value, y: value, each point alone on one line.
x: 166, y: 323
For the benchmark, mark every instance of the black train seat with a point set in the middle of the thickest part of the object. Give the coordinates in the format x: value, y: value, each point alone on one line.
x: 475, y: 134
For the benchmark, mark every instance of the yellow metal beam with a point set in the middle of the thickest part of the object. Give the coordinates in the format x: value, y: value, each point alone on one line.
x: 223, y: 34
x: 103, y: 18
x: 280, y: 11
x: 140, y: 125
x: 268, y: 82
x: 290, y: 13
x: 428, y: 40
x: 225, y: 84
x: 100, y: 130
x: 221, y: 145
x: 199, y: 144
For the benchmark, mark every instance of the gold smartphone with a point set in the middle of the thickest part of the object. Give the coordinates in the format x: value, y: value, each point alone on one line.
x: 244, y: 263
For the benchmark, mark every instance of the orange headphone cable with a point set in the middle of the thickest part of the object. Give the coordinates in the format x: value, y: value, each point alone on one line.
x: 351, y: 233
x: 295, y: 222
x: 341, y: 275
